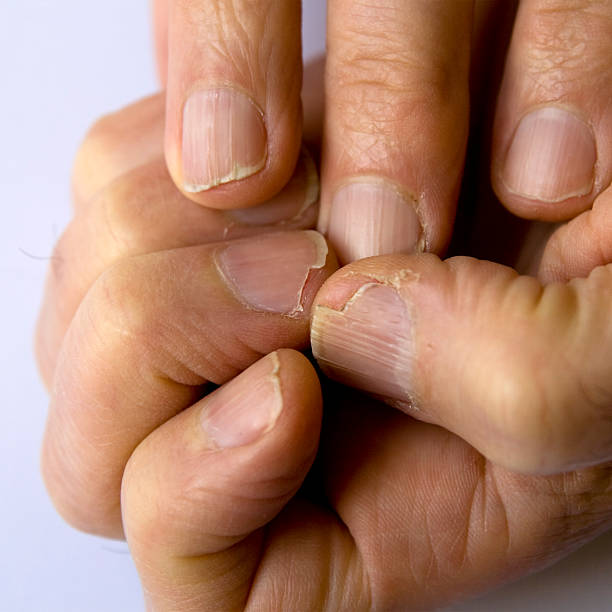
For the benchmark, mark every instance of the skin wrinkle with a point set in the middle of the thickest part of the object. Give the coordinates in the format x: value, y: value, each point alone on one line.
x: 479, y: 485
x: 432, y: 572
x: 208, y: 359
x: 560, y: 53
x: 355, y: 557
x: 575, y: 494
x: 393, y: 72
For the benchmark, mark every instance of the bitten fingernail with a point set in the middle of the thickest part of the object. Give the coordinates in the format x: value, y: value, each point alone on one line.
x: 243, y: 410
x: 368, y: 344
x: 224, y: 138
x: 271, y: 272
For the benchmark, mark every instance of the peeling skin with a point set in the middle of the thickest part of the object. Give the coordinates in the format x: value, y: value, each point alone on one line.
x: 312, y: 183
x: 322, y: 252
x: 227, y: 229
x: 395, y: 280
x: 250, y: 268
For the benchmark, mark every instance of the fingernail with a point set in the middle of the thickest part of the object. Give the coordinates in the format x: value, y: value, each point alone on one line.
x: 246, y: 408
x: 552, y: 156
x: 224, y: 138
x: 372, y: 218
x: 275, y: 272
x: 291, y: 204
x: 368, y: 344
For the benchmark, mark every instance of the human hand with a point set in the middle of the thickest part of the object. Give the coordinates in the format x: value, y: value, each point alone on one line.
x: 398, y: 513
x: 150, y: 297
x: 561, y: 523
x: 397, y: 94
x: 409, y: 515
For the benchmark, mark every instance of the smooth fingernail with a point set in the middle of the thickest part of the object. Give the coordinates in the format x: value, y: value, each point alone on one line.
x: 224, y: 139
x: 368, y: 344
x: 246, y: 408
x: 275, y: 272
x: 291, y: 203
x: 552, y: 156
x: 372, y: 218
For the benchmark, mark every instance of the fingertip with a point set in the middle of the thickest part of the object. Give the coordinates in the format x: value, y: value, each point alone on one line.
x: 551, y: 154
x: 545, y: 169
x: 299, y: 383
x: 233, y: 123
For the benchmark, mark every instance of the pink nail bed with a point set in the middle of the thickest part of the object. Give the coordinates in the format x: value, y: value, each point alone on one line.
x: 241, y: 411
x: 270, y: 272
x: 552, y: 156
x: 371, y: 217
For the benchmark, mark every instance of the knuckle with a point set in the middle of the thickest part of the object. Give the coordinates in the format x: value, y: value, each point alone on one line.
x: 97, y: 146
x: 138, y: 308
x: 117, y: 213
x: 117, y: 305
x: 566, y: 44
x: 384, y: 93
x: 96, y: 157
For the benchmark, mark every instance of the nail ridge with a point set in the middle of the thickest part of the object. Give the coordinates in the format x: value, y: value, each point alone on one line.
x: 348, y: 349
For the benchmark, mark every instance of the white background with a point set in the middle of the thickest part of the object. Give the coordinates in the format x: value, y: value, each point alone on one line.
x: 62, y: 64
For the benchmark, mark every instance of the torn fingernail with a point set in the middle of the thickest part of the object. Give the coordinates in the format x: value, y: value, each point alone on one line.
x: 368, y: 344
x: 243, y: 410
x: 273, y: 272
x: 224, y: 138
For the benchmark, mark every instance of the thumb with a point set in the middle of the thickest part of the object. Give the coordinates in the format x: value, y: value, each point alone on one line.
x: 198, y: 490
x: 519, y: 370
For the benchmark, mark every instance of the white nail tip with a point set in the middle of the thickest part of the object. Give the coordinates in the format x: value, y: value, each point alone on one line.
x: 238, y: 173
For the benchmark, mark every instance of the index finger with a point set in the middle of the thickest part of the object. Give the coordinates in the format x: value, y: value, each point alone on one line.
x: 233, y: 117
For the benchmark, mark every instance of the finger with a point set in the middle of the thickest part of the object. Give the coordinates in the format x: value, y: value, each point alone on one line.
x: 574, y: 249
x: 160, y: 11
x: 520, y: 371
x: 142, y: 212
x: 552, y: 153
x: 198, y: 491
x: 127, y: 204
x: 396, y: 124
x: 233, y: 102
x: 150, y: 333
x: 133, y: 137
